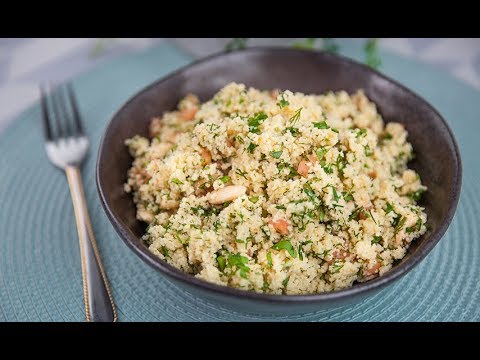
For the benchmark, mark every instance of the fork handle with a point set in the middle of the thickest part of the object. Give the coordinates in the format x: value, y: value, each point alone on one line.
x: 99, y: 305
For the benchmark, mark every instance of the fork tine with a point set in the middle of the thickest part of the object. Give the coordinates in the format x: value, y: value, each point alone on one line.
x: 57, y: 111
x: 76, y: 114
x: 47, y: 130
x: 63, y: 105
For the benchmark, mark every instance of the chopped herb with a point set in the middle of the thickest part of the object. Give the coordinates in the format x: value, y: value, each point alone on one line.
x: 280, y: 207
x: 371, y: 215
x: 269, y: 259
x: 285, y: 281
x: 400, y: 224
x: 335, y: 195
x: 416, y: 195
x: 293, y: 130
x: 276, y: 154
x: 241, y: 173
x: 389, y: 208
x: 240, y: 139
x: 221, y: 263
x: 285, y: 245
x: 296, y: 116
x: 347, y: 196
x: 321, y: 125
x: 251, y: 148
x: 321, y: 153
x: 335, y: 130
x: 310, y: 193
x: 417, y: 227
x: 355, y: 213
x: 292, y: 171
x: 216, y: 225
x: 368, y: 151
x: 225, y: 179
x: 321, y: 214
x: 240, y: 262
x: 282, y: 103
x: 387, y: 136
x: 336, y: 268
x: 327, y: 168
x: 253, y: 199
x: 165, y: 252
x: 361, y: 132
x: 376, y: 239
x: 199, y: 210
x: 176, y: 181
x: 255, y: 121
x: 300, y: 248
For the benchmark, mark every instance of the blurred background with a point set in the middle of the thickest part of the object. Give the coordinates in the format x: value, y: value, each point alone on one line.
x: 24, y: 63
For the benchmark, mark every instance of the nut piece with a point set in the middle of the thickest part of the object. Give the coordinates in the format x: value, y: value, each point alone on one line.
x: 206, y: 156
x: 169, y: 204
x: 303, y: 168
x: 280, y: 226
x: 228, y: 193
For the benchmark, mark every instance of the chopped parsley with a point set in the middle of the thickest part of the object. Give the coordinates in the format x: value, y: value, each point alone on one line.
x: 240, y: 262
x: 347, y: 196
x: 253, y: 199
x: 165, y: 252
x: 376, y: 239
x: 285, y: 281
x: 293, y: 130
x: 368, y: 151
x: 361, y: 132
x: 321, y: 153
x: 285, y: 245
x: 276, y: 154
x: 225, y: 179
x: 327, y: 168
x: 399, y: 223
x: 336, y: 267
x: 176, y: 181
x: 221, y: 263
x: 335, y: 195
x: 416, y: 227
x: 310, y: 193
x: 321, y: 125
x: 292, y: 171
x: 199, y: 210
x: 269, y: 259
x: 300, y: 248
x: 255, y: 121
x: 251, y: 148
x: 416, y: 195
x: 282, y: 103
x: 389, y: 208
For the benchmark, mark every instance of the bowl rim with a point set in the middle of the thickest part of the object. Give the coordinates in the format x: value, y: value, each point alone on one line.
x: 375, y: 284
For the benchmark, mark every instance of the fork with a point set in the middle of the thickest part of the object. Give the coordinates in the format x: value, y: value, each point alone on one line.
x: 67, y: 145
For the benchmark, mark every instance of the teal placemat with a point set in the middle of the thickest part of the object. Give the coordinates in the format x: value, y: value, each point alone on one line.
x: 40, y: 275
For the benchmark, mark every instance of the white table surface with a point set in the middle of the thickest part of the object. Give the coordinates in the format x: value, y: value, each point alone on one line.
x: 24, y: 63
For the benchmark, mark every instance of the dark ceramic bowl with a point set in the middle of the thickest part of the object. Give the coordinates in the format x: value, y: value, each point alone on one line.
x: 437, y: 156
